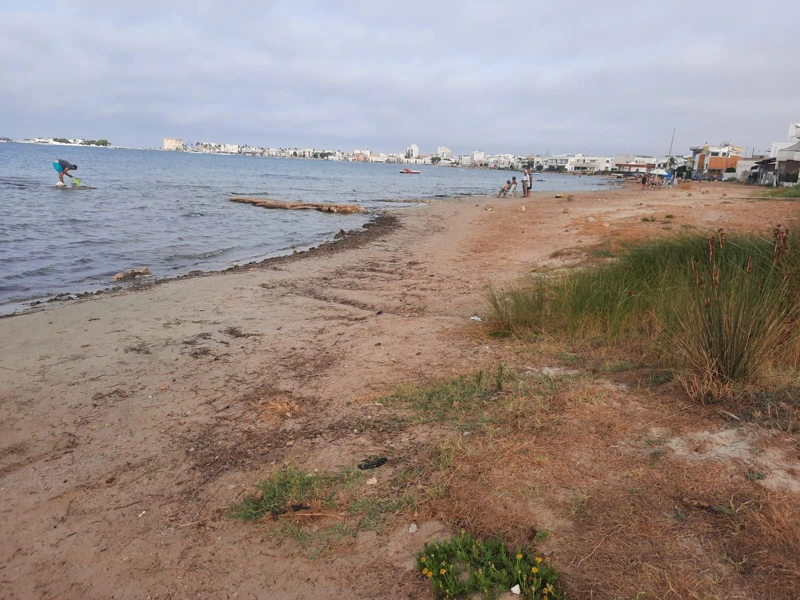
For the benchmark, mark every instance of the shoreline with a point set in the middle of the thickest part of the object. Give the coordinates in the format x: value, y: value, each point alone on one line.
x: 344, y: 239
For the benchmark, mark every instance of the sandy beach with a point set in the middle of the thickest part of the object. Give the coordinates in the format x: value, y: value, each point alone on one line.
x: 130, y: 422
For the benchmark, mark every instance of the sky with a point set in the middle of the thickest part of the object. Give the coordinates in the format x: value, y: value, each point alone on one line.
x: 501, y: 75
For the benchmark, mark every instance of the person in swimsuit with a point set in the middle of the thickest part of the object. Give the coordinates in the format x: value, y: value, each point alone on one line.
x: 63, y: 167
x: 525, y: 183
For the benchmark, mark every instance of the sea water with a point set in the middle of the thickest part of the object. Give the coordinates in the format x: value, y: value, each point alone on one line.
x: 169, y: 211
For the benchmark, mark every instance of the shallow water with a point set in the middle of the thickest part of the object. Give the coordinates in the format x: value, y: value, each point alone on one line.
x: 170, y: 211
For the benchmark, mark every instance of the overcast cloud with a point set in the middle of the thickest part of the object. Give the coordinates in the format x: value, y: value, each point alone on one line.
x: 502, y: 76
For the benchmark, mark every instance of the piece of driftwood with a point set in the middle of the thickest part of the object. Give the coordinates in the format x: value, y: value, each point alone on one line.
x: 321, y: 206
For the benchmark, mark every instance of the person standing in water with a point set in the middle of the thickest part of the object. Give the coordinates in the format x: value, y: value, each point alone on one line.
x: 63, y: 167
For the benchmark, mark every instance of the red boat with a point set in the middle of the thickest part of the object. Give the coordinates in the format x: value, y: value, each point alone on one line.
x: 410, y: 172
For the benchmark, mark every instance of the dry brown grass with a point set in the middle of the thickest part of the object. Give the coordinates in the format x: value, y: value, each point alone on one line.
x: 630, y: 518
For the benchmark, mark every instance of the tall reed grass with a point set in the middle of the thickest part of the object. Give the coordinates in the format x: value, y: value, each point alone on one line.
x: 721, y: 307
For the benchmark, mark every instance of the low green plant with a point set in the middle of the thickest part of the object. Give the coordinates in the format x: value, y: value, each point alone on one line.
x: 783, y: 192
x: 754, y: 475
x: 670, y: 216
x: 464, y: 566
x: 450, y: 398
x: 287, y: 486
x: 649, y: 219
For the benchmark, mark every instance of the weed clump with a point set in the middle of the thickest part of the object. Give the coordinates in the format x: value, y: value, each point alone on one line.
x: 287, y: 489
x: 464, y: 566
x: 719, y: 309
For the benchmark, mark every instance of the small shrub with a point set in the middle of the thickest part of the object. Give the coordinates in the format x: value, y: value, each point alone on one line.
x: 464, y: 566
x: 754, y: 475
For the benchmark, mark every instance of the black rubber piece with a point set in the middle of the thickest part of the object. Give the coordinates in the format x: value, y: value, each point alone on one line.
x: 373, y: 464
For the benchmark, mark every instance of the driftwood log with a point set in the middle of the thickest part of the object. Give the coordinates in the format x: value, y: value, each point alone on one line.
x: 321, y: 206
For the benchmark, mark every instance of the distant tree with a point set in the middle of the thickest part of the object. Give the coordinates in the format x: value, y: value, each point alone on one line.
x: 561, y: 168
x: 436, y: 159
x: 101, y: 142
x: 61, y: 140
x: 294, y: 153
x: 315, y: 155
x: 540, y: 167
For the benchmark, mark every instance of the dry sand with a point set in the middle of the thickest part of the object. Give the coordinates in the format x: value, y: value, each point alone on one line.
x: 127, y: 418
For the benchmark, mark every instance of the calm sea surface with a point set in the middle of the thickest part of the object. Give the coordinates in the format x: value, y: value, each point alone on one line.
x: 170, y: 211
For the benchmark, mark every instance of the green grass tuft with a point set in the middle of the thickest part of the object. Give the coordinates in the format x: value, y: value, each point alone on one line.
x: 289, y: 485
x: 450, y: 398
x: 783, y: 192
x: 720, y: 307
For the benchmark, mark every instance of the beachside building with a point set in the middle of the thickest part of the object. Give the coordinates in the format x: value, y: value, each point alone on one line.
x: 632, y: 163
x: 230, y: 148
x: 412, y: 151
x: 558, y: 162
x: 443, y: 152
x: 716, y: 160
x: 589, y: 164
x: 174, y: 144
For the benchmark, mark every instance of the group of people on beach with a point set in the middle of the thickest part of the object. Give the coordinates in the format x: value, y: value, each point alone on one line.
x: 510, y: 188
x: 654, y: 181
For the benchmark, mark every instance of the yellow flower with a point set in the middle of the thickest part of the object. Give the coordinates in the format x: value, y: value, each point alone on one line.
x: 424, y: 571
x: 442, y: 571
x: 547, y: 559
x: 430, y: 573
x: 423, y: 559
x: 535, y: 570
x: 538, y: 559
x: 519, y: 556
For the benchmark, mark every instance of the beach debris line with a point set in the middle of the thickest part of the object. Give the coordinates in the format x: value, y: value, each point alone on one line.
x: 293, y: 205
x: 131, y: 274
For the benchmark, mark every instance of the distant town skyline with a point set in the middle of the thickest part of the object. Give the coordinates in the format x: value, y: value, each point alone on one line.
x: 502, y: 76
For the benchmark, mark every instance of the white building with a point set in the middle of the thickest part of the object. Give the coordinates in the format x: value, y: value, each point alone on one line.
x: 478, y: 157
x: 589, y: 164
x: 412, y: 151
x: 558, y: 162
x: 443, y: 152
x: 791, y: 139
x: 230, y: 148
x: 174, y: 144
x: 632, y: 163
